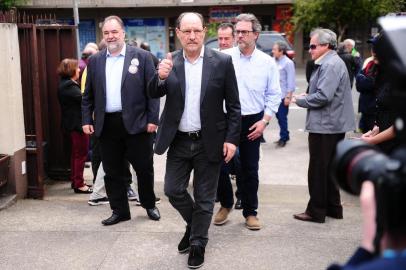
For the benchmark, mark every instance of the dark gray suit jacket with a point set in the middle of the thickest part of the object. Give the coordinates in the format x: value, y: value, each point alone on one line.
x: 137, y: 108
x: 219, y: 84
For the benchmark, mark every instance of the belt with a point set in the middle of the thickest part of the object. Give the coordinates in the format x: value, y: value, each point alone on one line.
x: 251, y: 115
x: 113, y: 113
x: 194, y: 135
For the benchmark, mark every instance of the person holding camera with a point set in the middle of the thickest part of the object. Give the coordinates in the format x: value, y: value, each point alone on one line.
x: 360, y: 168
x: 393, y: 240
x: 385, y: 111
x: 330, y: 114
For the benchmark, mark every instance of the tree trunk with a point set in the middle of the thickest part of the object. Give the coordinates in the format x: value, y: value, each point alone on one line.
x: 341, y: 32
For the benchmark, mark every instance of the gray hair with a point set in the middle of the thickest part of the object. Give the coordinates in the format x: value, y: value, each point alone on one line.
x: 179, y: 19
x: 325, y: 36
x: 113, y: 17
x: 248, y: 17
x: 282, y: 46
x: 349, y: 41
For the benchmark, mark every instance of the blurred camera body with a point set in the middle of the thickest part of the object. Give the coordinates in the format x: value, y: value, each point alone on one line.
x: 356, y: 162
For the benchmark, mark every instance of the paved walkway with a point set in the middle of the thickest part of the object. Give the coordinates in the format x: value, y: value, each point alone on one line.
x: 63, y: 232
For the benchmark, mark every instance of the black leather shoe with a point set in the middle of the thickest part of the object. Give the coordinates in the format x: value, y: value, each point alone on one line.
x: 238, y: 204
x: 281, y: 143
x: 196, y: 257
x: 89, y: 190
x: 153, y: 213
x: 184, y: 244
x: 114, y: 219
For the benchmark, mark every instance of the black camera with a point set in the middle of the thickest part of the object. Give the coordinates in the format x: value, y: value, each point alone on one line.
x: 356, y: 161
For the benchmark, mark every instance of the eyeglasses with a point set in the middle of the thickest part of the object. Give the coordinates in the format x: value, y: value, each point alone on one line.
x: 188, y: 32
x: 314, y: 46
x: 244, y: 33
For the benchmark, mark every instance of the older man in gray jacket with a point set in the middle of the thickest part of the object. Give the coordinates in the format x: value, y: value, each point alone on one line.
x: 330, y: 114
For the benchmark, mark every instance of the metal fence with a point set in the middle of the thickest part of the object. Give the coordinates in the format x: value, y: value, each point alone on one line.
x: 43, y: 44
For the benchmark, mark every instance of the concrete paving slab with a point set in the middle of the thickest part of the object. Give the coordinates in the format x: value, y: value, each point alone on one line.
x: 63, y: 232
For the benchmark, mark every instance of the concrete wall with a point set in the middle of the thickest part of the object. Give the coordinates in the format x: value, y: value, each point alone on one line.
x: 12, y: 133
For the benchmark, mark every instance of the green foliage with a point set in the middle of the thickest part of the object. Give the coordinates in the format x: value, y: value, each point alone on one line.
x: 7, y: 4
x: 212, y: 29
x: 339, y: 15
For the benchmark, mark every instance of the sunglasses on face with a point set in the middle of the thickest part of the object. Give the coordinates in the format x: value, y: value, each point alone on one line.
x: 314, y: 46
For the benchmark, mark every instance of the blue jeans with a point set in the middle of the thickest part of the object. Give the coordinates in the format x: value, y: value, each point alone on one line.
x: 282, y: 116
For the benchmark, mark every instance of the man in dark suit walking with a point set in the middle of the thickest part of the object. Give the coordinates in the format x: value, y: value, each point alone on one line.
x: 196, y: 81
x: 124, y: 118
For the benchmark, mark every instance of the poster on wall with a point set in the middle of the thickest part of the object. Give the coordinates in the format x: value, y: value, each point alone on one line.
x: 282, y: 21
x: 151, y: 30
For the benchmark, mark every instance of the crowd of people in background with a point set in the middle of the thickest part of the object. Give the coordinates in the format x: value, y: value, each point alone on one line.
x: 218, y: 104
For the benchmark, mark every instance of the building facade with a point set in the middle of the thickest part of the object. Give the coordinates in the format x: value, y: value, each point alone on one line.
x: 154, y: 21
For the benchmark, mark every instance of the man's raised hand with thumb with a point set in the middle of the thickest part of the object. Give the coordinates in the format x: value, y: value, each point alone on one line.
x: 165, y: 67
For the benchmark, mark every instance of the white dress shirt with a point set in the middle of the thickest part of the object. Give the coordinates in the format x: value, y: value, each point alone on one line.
x: 114, y: 73
x: 190, y: 120
x: 258, y: 81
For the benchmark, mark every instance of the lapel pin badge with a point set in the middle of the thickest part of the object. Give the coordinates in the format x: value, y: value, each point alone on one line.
x: 132, y: 69
x: 135, y: 62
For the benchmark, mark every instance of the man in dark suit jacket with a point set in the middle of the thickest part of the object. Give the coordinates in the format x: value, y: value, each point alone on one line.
x: 195, y: 128
x: 124, y: 118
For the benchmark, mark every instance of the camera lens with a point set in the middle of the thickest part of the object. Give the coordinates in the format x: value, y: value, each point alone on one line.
x: 356, y: 162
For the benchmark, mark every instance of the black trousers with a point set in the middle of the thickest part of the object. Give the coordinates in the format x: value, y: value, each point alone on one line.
x: 96, y: 161
x: 249, y: 157
x: 324, y: 193
x: 185, y: 155
x: 225, y: 188
x: 116, y: 147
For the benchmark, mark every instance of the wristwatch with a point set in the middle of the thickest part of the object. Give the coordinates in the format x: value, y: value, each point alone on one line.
x: 265, y: 121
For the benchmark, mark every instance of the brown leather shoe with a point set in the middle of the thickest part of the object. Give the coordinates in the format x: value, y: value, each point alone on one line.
x: 222, y: 216
x: 252, y: 223
x: 307, y: 217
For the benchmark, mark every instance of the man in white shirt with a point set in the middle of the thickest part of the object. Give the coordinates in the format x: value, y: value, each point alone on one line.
x: 226, y: 38
x: 194, y: 128
x: 124, y: 118
x: 260, y: 96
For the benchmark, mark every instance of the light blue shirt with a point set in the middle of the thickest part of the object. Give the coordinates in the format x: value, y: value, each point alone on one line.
x: 190, y: 120
x: 114, y: 73
x: 286, y: 75
x: 258, y: 81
